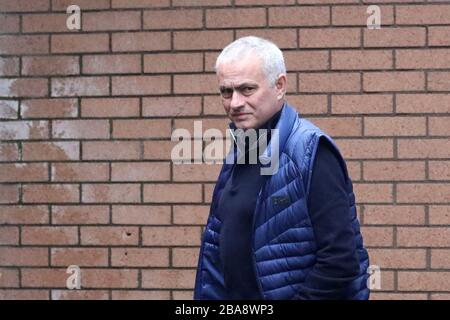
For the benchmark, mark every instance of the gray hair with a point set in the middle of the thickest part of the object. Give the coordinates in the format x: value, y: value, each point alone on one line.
x: 270, y: 54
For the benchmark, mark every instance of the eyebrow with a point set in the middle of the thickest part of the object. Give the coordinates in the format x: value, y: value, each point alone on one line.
x: 245, y: 84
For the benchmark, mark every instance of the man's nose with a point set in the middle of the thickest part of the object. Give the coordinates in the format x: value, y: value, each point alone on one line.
x: 237, y: 100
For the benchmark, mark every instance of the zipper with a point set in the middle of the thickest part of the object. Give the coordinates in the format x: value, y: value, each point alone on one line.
x: 253, y: 244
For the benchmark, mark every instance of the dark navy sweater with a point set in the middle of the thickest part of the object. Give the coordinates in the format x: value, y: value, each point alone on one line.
x: 337, y: 262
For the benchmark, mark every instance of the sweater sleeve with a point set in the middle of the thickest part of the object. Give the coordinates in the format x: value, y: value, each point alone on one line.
x: 337, y: 262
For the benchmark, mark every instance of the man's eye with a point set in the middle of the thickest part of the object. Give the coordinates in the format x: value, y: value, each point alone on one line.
x: 248, y: 90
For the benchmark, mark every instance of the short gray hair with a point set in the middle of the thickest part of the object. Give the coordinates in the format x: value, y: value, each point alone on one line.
x: 270, y: 54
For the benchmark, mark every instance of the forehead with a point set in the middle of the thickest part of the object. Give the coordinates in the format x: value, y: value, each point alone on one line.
x: 247, y: 70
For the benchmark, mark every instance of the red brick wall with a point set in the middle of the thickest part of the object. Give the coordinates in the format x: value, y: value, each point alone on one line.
x: 86, y: 120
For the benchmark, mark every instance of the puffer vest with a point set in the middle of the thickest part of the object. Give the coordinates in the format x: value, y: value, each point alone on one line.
x: 283, y: 244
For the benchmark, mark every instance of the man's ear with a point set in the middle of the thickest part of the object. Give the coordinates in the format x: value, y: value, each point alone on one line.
x: 280, y: 84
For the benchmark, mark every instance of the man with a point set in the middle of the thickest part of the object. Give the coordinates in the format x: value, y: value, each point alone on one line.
x: 293, y: 234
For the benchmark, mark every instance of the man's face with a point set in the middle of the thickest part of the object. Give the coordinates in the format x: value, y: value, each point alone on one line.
x: 248, y: 99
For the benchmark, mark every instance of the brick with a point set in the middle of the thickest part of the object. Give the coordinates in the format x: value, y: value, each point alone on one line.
x: 329, y: 82
x: 232, y: 18
x: 9, y: 152
x: 308, y: 104
x: 140, y: 295
x: 439, y: 296
x: 80, y: 214
x: 9, y: 278
x: 23, y: 172
x: 140, y: 85
x: 423, y: 281
x: 53, y: 22
x: 422, y: 58
x: 9, y: 236
x: 283, y: 38
x: 329, y: 38
x: 423, y: 103
x: 72, y: 172
x: 395, y: 37
x: 357, y: 15
x: 158, y: 150
x: 80, y: 86
x: 49, y: 108
x: 423, y: 236
x: 172, y: 193
x: 173, y: 19
x: 34, y: 151
x: 438, y: 36
x: 9, y: 23
x: 354, y: 170
x: 393, y: 81
x: 80, y: 129
x: 9, y: 193
x: 439, y: 126
x: 88, y: 257
x: 68, y: 43
x: 112, y: 20
x: 192, y: 84
x: 109, y: 107
x: 305, y: 16
x: 61, y: 5
x: 141, y: 215
x: 422, y: 14
x: 377, y: 236
x: 185, y: 257
x: 173, y: 62
x: 394, y: 126
x: 339, y: 127
x: 208, y: 191
x: 140, y: 257
x: 440, y: 258
x: 110, y: 193
x: 202, y: 3
x: 140, y: 171
x: 394, y: 170
x: 9, y: 66
x: 201, y: 40
x: 55, y: 193
x: 182, y: 294
x: 306, y: 60
x: 49, y: 235
x: 140, y: 41
x: 44, y: 278
x: 398, y: 258
x: 109, y: 236
x: 439, y: 214
x: 140, y: 3
x: 190, y: 214
x: 423, y: 192
x: 373, y: 192
x: 171, y: 236
x: 142, y: 128
x: 118, y: 63
x: 439, y: 81
x: 398, y: 296
x: 9, y: 109
x: 171, y: 106
x: 21, y: 294
x: 167, y: 278
x: 24, y: 44
x: 195, y: 172
x: 111, y: 150
x: 423, y: 148
x: 24, y: 215
x: 257, y: 2
x: 24, y: 130
x: 80, y: 295
x: 24, y: 6
x: 362, y: 104
x: 15, y: 256
x: 361, y: 60
x: 15, y: 87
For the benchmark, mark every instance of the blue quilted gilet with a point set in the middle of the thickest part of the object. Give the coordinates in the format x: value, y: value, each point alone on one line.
x: 284, y: 247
